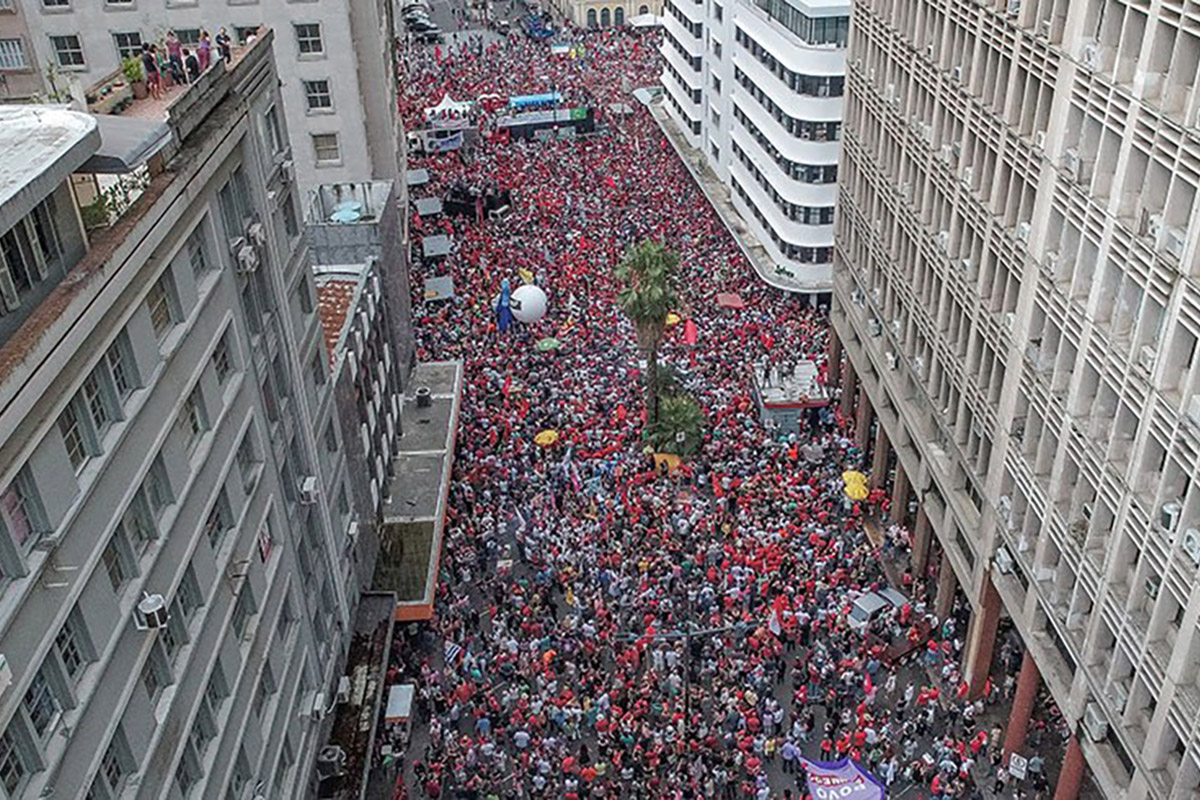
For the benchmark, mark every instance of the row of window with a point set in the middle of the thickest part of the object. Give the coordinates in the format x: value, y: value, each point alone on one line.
x: 28, y: 251
x: 805, y: 215
x: 693, y: 61
x: 800, y: 128
x: 795, y: 252
x: 68, y: 48
x: 813, y: 85
x: 694, y: 94
x: 805, y: 173
x: 813, y: 30
x: 694, y: 28
x: 693, y: 124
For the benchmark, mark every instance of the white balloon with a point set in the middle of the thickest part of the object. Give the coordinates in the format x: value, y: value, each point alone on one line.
x: 528, y: 303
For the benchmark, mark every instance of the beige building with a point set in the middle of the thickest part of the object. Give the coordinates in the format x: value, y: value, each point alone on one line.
x: 603, y: 13
x: 20, y: 74
x: 1016, y: 288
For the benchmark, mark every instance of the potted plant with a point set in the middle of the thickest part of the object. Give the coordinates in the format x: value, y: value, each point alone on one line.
x: 134, y: 76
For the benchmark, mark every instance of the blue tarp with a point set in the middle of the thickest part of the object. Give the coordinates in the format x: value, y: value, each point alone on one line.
x: 528, y: 100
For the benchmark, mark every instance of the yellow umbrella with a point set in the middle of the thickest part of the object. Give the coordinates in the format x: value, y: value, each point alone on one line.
x: 853, y: 476
x: 670, y: 459
x: 856, y: 491
x: 546, y: 437
x: 673, y: 318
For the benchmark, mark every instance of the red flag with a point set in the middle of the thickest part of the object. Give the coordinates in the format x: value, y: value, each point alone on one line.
x: 868, y: 687
x: 507, y: 386
x: 690, y: 334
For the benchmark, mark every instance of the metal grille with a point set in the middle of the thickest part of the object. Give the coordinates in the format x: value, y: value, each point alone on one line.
x: 12, y: 51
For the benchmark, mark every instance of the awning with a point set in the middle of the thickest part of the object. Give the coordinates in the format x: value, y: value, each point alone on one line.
x: 400, y: 701
x: 428, y: 206
x: 125, y: 144
x: 417, y: 177
x: 435, y: 246
x: 644, y: 21
x: 439, y: 288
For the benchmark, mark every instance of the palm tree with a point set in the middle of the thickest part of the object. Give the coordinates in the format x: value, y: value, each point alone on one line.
x: 648, y: 272
x: 679, y: 426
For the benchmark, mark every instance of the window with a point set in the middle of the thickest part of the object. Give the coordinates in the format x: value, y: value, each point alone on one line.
x: 243, y: 33
x: 317, y: 95
x: 193, y: 420
x: 326, y: 147
x: 129, y: 43
x: 290, y: 225
x: 304, y: 295
x: 287, y: 618
x: 154, y: 675
x: 241, y: 774
x: 118, y: 559
x: 12, y: 54
x: 243, y: 610
x: 68, y: 51
x: 98, y: 403
x: 188, y: 36
x: 718, y: 12
x: 20, y: 510
x: 160, y: 304
x: 318, y: 370
x: 196, y: 254
x: 189, y: 595
x: 222, y: 362
x: 41, y: 704
x: 308, y: 38
x: 331, y: 442
x: 56, y: 3
x: 70, y: 646
x: 216, y: 691
x: 13, y: 767
x: 137, y: 523
x: 275, y: 140
x: 266, y: 541
x: 234, y: 200
x: 120, y: 367
x: 247, y: 462
x: 157, y: 488
x: 115, y: 766
x: 219, y: 520
x: 266, y: 688
x: 72, y: 434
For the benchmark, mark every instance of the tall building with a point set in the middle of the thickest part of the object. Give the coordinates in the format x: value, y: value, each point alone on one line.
x: 336, y: 59
x: 1016, y: 289
x: 174, y: 589
x: 20, y: 72
x: 755, y: 90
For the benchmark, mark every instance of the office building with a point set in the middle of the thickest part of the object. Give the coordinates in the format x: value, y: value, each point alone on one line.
x: 335, y: 57
x: 754, y: 89
x: 1016, y: 290
x: 173, y: 569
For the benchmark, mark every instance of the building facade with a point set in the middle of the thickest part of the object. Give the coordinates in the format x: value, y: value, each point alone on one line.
x: 20, y: 72
x: 756, y: 90
x: 173, y: 577
x: 336, y: 59
x: 604, y: 13
x: 1016, y: 291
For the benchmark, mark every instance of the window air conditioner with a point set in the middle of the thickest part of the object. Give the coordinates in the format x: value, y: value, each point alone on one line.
x: 897, y: 329
x: 889, y: 93
x: 1039, y: 140
x: 287, y: 170
x: 343, y: 690
x: 958, y: 73
x: 1010, y: 321
x: 1089, y: 57
x: 247, y: 259
x: 891, y: 360
x: 1153, y: 586
x: 1014, y: 7
x: 1023, y: 230
x: 875, y: 328
x: 308, y: 490
x: 257, y: 234
x: 968, y: 177
x: 1146, y: 357
x: 1168, y: 515
x: 943, y: 240
x: 918, y: 365
x: 151, y: 613
x: 1004, y: 560
x: 1095, y: 723
x: 1191, y: 545
x: 858, y: 297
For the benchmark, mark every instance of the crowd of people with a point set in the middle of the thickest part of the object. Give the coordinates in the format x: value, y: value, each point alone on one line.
x: 605, y: 629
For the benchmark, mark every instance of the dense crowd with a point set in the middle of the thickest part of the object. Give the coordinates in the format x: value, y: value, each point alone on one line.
x: 605, y: 629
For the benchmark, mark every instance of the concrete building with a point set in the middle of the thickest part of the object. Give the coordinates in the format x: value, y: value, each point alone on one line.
x: 1016, y: 290
x: 754, y: 90
x: 20, y: 72
x: 335, y: 58
x: 174, y: 595
x: 603, y: 13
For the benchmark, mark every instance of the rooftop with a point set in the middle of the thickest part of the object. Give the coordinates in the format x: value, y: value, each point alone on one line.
x: 335, y: 298
x: 39, y: 147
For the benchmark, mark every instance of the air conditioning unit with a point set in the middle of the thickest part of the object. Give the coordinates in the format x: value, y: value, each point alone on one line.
x: 1095, y: 723
x: 308, y: 490
x: 1004, y: 507
x: 947, y: 153
x: 151, y: 613
x: 1023, y: 230
x: 858, y: 297
x: 871, y: 75
x: 1154, y: 226
x: 1010, y: 321
x: 918, y: 365
x: 1146, y: 357
x: 1071, y: 164
x: 343, y: 692
x: 965, y: 266
x: 958, y: 73
x: 1089, y: 57
x: 1052, y: 260
x: 897, y: 329
x: 257, y: 234
x: 1169, y: 514
x: 247, y: 259
x: 889, y: 93
x: 1004, y: 560
x: 313, y: 706
x: 287, y: 170
x: 1014, y: 7
x: 877, y: 294
x: 331, y: 760
x: 1039, y: 140
x: 875, y: 328
x: 968, y: 177
x: 858, y: 65
x: 943, y: 240
x: 1153, y: 587
x: 891, y: 360
x: 1191, y: 544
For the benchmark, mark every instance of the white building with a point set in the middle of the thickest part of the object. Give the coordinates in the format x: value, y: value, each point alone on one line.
x: 335, y: 58
x: 174, y: 577
x: 755, y: 88
x: 1017, y: 291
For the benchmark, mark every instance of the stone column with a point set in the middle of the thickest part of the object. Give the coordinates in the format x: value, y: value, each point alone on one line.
x: 922, y: 537
x: 946, y: 584
x: 1071, y: 776
x: 835, y: 356
x: 849, y: 390
x: 879, y: 458
x: 982, y: 641
x: 1022, y: 707
x: 900, y: 494
x: 862, y: 425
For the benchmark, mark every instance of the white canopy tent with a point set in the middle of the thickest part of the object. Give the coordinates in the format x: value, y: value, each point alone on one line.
x: 448, y: 107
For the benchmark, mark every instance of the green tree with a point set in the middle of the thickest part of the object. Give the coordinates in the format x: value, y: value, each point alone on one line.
x: 679, y: 427
x: 647, y: 271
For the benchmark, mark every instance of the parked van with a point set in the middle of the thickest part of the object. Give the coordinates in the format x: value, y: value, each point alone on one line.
x: 867, y: 608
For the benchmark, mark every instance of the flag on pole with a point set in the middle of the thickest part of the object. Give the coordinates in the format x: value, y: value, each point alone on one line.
x: 452, y: 652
